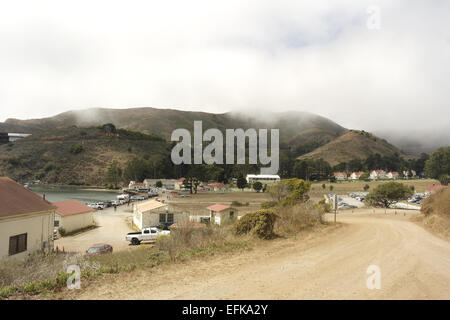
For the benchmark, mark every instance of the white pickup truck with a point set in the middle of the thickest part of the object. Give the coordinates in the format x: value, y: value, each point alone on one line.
x: 147, y: 234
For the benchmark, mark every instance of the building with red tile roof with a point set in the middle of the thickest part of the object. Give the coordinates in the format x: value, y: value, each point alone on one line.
x: 220, y: 213
x: 356, y: 175
x: 72, y: 215
x: 26, y: 221
x: 340, y: 175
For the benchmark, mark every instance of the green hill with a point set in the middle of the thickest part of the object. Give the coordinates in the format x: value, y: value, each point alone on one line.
x: 55, y: 156
x: 50, y: 153
x: 352, y: 145
x: 301, y: 131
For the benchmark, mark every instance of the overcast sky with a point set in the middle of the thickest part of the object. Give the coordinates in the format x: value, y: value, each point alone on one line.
x: 339, y: 59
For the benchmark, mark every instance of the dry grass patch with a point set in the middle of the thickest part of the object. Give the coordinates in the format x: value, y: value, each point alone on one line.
x: 436, y: 213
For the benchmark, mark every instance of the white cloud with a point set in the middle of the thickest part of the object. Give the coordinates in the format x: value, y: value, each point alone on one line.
x: 228, y: 55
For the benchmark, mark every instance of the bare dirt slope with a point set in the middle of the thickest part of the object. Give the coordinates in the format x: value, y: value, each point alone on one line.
x: 414, y: 265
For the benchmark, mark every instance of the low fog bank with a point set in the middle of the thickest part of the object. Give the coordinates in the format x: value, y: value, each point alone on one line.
x: 414, y: 142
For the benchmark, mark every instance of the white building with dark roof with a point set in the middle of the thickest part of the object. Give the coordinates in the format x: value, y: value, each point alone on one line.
x: 263, y: 178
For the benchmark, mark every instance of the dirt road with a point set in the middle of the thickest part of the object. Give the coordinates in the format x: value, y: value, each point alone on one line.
x: 414, y: 264
x: 112, y: 228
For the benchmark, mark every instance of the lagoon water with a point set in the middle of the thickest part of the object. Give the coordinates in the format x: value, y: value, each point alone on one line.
x: 62, y: 193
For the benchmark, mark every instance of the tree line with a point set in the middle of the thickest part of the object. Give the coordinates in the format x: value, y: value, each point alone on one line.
x: 137, y: 168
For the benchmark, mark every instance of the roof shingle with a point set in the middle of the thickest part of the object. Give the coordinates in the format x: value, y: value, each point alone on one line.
x: 15, y: 199
x: 71, y: 207
x: 218, y: 207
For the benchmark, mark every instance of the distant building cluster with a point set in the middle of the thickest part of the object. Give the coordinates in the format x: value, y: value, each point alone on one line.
x: 378, y: 174
x: 178, y: 184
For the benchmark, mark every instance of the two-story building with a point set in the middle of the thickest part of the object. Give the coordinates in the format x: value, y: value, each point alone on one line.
x: 356, y: 175
x: 340, y: 176
x: 378, y: 174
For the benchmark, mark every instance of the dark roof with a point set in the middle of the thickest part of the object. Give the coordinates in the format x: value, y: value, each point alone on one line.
x: 71, y: 207
x: 15, y: 199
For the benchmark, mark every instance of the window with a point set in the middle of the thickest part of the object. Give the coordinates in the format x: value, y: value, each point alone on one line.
x: 231, y: 214
x: 205, y: 220
x: 17, y: 244
x: 146, y: 231
x: 162, y: 217
x: 170, y: 217
x: 56, y: 223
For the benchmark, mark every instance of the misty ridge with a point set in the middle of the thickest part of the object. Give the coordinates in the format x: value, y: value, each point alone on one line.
x: 293, y: 125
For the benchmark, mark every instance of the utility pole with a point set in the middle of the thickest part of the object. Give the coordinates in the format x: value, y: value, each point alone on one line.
x: 335, y: 207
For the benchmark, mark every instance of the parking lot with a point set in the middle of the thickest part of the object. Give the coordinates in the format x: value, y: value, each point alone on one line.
x: 112, y: 227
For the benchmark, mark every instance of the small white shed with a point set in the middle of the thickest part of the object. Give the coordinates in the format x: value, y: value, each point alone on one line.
x: 220, y: 213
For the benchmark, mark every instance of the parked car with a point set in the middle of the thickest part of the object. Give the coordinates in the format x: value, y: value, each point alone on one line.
x: 147, y: 234
x: 123, y: 197
x: 101, y: 248
x: 137, y: 198
x: 97, y: 205
x: 164, y: 225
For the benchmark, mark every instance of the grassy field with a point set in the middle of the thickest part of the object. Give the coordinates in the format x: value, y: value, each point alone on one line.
x: 196, y: 204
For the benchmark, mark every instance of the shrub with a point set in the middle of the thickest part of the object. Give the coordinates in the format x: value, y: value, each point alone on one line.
x: 257, y: 186
x: 235, y: 203
x: 76, y: 148
x: 49, y: 166
x: 323, y: 207
x: 291, y: 191
x: 296, y: 218
x: 268, y: 204
x: 62, y: 231
x: 364, y: 176
x: 14, y: 161
x: 260, y: 223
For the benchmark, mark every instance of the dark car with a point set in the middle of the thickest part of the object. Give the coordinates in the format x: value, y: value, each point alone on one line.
x: 99, y: 249
x: 163, y: 225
